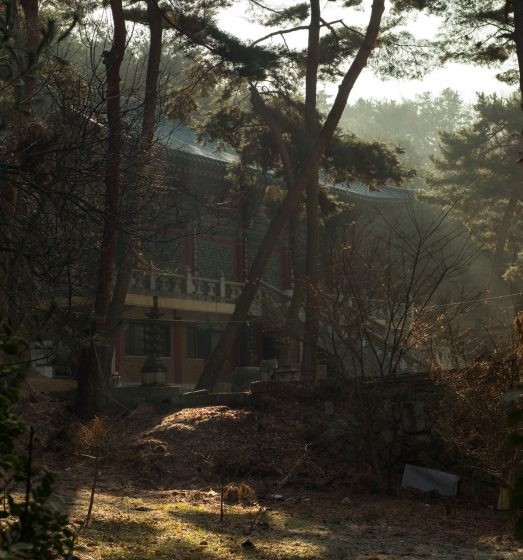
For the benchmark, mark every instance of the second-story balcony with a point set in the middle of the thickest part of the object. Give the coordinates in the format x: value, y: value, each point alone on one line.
x: 185, y: 285
x: 192, y: 292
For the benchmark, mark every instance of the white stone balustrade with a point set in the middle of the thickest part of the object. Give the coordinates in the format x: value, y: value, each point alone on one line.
x: 186, y: 284
x: 191, y: 286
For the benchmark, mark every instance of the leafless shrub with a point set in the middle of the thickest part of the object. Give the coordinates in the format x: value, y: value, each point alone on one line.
x: 473, y: 416
x: 239, y: 494
x: 386, y: 303
x: 92, y: 442
x: 148, y: 455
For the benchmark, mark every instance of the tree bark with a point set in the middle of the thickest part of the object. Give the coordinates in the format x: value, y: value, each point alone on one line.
x: 293, y: 326
x: 26, y: 46
x: 518, y: 39
x: 517, y: 5
x: 112, y: 60
x: 32, y: 32
x: 502, y: 236
x: 310, y: 339
x: 124, y: 261
x: 93, y: 370
x: 224, y: 347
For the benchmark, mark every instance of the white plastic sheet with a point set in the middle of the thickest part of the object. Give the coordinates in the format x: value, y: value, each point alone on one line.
x: 428, y: 480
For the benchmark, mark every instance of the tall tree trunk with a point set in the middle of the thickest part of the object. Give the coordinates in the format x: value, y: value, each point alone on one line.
x: 32, y: 32
x: 97, y: 356
x: 311, y: 334
x: 124, y: 261
x: 518, y: 39
x: 502, y: 236
x: 112, y: 60
x: 310, y: 339
x: 225, y: 346
x: 517, y: 5
x: 25, y: 51
x: 293, y: 326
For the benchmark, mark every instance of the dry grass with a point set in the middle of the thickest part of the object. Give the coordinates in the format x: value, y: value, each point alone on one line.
x: 184, y: 524
x: 172, y: 454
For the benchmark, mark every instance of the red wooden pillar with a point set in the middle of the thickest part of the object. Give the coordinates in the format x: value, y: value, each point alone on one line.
x: 285, y: 264
x: 118, y: 349
x: 189, y: 252
x: 178, y: 350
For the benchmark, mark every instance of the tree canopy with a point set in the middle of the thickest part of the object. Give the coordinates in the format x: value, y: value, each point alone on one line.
x: 477, y: 174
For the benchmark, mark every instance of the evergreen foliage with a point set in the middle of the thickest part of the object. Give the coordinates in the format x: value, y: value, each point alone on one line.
x: 347, y: 158
x: 476, y: 173
x: 476, y: 20
x: 412, y: 124
x: 481, y: 32
x: 32, y: 524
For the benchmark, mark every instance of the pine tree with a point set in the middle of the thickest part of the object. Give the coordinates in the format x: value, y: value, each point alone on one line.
x: 275, y: 74
x: 477, y: 175
x: 483, y: 32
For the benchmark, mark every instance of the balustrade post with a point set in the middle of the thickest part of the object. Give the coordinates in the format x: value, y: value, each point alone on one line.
x: 189, y: 284
x: 222, y: 284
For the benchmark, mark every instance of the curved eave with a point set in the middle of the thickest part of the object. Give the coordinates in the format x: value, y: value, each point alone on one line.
x: 198, y: 164
x: 384, y: 196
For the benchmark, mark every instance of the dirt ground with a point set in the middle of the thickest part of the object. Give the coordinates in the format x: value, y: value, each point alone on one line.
x: 185, y: 524
x: 160, y: 487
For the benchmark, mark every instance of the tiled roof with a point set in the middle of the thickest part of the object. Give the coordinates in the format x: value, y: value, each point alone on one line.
x: 182, y: 141
x: 359, y: 192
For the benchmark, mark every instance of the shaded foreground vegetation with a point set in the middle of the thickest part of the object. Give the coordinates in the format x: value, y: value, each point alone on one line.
x: 160, y: 492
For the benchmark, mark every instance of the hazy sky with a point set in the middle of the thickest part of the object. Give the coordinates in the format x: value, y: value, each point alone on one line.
x: 468, y: 80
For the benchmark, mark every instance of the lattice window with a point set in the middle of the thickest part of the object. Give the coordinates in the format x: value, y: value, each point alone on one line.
x: 171, y: 252
x: 166, y: 254
x: 213, y: 257
x: 134, y: 338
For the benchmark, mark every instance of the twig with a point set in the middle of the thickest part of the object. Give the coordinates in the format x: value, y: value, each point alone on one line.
x: 25, y: 516
x: 221, y: 501
x: 262, y: 510
x: 93, y: 489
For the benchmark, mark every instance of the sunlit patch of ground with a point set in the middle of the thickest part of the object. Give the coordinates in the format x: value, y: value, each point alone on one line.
x: 185, y: 524
x: 180, y: 519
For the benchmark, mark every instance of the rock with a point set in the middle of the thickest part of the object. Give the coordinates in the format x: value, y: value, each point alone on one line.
x: 248, y: 544
x: 277, y: 497
x: 346, y: 501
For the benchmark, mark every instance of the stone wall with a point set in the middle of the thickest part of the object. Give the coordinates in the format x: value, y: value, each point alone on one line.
x: 390, y: 423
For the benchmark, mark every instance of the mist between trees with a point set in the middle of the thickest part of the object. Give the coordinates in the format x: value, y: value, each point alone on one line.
x: 108, y: 113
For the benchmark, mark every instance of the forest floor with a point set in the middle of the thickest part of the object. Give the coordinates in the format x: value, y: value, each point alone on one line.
x: 159, y: 492
x: 185, y: 524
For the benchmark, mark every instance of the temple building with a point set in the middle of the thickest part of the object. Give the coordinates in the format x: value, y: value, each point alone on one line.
x: 197, y: 273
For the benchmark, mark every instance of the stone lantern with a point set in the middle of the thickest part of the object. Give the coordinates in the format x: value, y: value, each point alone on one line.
x: 153, y: 371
